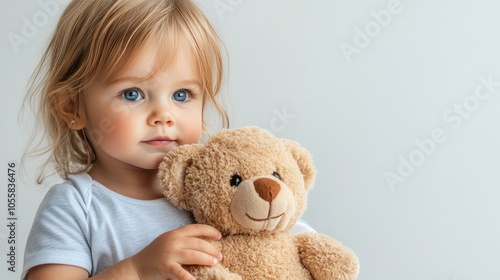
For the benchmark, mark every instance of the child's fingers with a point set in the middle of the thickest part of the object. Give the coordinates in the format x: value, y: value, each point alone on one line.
x: 203, y: 246
x: 177, y: 272
x: 195, y: 257
x: 201, y: 230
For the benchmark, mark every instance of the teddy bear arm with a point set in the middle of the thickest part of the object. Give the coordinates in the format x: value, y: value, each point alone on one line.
x: 217, y: 272
x: 326, y: 258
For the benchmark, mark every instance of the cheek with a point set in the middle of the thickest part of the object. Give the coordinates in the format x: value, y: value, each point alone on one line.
x: 109, y: 131
x: 192, y: 125
x: 193, y: 128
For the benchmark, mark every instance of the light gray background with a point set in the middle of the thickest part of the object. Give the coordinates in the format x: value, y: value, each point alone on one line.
x: 368, y: 106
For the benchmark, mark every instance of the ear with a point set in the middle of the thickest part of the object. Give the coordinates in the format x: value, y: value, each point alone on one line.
x: 172, y: 171
x: 304, y: 161
x: 68, y: 110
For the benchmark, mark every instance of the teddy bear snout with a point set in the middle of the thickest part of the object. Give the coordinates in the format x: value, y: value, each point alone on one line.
x: 268, y: 189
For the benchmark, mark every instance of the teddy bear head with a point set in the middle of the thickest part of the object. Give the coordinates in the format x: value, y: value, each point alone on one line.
x: 242, y: 181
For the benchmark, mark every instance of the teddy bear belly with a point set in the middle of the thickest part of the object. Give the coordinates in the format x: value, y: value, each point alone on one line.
x: 263, y: 257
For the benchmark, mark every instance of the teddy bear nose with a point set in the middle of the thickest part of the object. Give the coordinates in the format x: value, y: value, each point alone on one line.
x: 267, y: 188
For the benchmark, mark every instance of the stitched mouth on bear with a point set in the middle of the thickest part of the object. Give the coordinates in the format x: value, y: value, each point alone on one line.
x: 266, y: 219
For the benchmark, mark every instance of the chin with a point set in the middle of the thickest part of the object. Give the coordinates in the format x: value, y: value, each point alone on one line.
x: 150, y: 164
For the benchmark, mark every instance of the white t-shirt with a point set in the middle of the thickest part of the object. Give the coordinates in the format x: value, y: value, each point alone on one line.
x: 82, y: 223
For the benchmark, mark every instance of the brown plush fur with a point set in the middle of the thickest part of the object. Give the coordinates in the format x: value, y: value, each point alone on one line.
x: 253, y: 188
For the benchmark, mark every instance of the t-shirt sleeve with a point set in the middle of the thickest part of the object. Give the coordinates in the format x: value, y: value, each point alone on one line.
x: 302, y: 227
x: 59, y: 234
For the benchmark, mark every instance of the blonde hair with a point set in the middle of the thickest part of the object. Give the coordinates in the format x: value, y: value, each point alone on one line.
x: 93, y: 41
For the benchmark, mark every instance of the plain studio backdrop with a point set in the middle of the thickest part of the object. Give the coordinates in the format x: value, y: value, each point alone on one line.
x: 398, y: 101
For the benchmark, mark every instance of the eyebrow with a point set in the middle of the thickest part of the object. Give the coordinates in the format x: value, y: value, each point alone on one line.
x: 141, y: 79
x: 124, y: 79
x: 190, y: 82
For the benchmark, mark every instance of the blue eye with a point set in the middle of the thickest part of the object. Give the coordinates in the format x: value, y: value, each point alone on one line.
x: 180, y: 96
x: 132, y: 95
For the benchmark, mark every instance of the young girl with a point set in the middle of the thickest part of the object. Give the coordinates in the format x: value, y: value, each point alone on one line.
x: 121, y: 83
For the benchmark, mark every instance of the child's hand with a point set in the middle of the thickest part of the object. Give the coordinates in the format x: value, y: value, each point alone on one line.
x: 163, y: 258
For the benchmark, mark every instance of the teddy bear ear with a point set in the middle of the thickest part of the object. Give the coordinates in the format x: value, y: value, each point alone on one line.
x: 172, y: 171
x: 304, y: 161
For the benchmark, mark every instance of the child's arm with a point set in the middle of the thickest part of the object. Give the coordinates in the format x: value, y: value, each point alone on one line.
x: 161, y: 259
x: 56, y: 271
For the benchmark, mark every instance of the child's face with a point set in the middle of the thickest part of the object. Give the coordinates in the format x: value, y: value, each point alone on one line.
x: 134, y: 122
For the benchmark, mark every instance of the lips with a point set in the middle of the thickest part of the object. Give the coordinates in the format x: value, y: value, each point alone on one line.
x: 159, y: 141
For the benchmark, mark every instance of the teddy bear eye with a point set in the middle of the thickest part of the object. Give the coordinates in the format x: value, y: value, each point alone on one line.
x: 277, y: 175
x: 235, y: 180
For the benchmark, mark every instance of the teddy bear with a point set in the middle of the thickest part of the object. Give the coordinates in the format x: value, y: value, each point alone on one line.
x: 252, y: 187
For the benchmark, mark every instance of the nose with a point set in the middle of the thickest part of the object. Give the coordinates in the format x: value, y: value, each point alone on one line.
x: 267, y: 188
x: 161, y: 116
